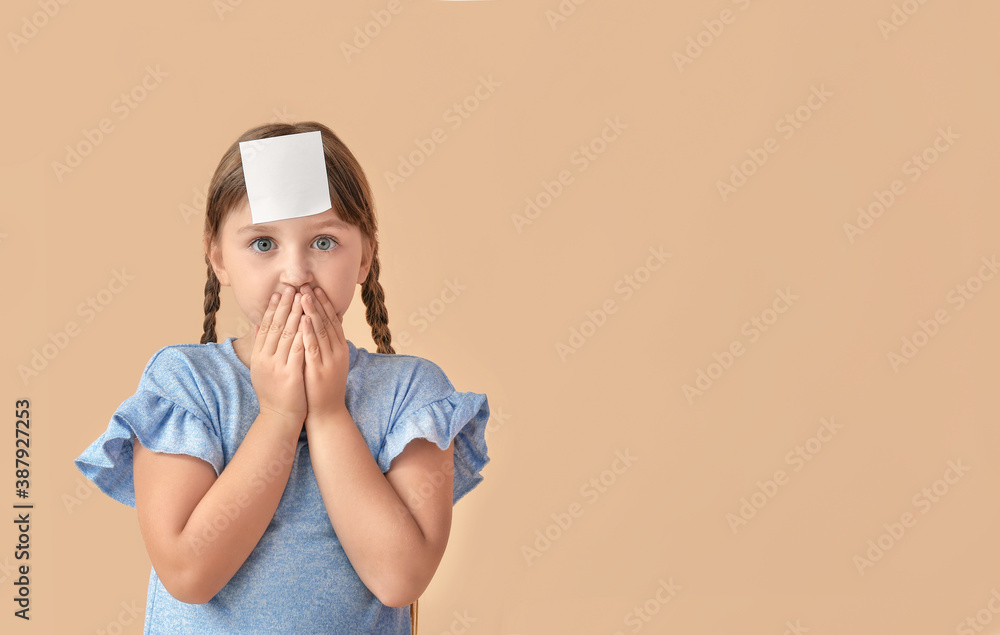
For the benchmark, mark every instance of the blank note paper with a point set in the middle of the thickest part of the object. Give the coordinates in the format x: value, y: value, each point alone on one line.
x: 285, y: 176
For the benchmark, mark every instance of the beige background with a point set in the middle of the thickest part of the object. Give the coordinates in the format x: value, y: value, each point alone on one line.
x: 134, y: 204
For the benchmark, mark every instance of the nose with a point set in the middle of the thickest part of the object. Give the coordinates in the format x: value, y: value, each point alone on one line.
x: 296, y: 269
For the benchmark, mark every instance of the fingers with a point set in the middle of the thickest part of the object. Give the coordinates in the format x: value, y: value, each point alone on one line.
x: 280, y: 325
x: 288, y: 334
x: 269, y: 331
x: 327, y: 306
x: 336, y: 321
x: 317, y: 339
x: 297, y: 352
x: 326, y: 318
x: 310, y: 341
x: 265, y: 323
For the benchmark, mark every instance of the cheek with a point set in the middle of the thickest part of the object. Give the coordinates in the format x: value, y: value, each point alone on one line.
x: 340, y: 297
x: 256, y: 305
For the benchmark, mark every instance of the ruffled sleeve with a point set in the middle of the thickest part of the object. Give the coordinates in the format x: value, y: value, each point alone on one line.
x: 160, y: 424
x: 458, y: 416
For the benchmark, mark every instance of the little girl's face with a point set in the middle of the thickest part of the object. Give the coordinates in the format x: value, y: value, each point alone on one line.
x: 258, y: 260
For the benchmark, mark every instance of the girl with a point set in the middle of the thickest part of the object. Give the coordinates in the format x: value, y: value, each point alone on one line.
x: 286, y: 481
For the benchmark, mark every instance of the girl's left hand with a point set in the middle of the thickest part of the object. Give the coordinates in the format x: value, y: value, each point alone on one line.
x: 327, y: 358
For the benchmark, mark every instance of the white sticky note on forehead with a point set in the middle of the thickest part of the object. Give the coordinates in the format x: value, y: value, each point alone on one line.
x: 285, y: 176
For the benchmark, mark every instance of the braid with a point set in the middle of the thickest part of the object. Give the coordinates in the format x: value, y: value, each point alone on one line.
x: 374, y: 298
x: 377, y: 316
x: 211, y: 304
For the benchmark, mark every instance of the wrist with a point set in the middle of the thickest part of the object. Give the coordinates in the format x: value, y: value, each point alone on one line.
x: 290, y: 420
x: 339, y: 416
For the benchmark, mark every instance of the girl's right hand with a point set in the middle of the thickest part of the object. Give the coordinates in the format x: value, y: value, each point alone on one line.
x: 277, y: 359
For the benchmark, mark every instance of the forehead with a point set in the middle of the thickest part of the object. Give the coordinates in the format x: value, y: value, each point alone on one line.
x: 239, y: 222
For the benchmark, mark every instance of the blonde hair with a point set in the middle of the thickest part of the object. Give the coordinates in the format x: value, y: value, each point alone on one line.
x: 352, y: 200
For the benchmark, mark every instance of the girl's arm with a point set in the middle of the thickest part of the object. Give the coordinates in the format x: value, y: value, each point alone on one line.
x: 199, y: 529
x: 394, y: 527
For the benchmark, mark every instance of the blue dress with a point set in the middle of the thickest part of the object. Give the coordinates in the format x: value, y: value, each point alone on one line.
x: 197, y: 399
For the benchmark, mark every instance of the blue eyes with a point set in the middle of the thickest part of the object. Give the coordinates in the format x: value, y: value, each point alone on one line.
x: 324, y: 243
x: 257, y: 241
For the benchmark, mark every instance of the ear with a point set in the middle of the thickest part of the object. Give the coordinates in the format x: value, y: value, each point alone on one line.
x: 214, y: 253
x: 367, y: 251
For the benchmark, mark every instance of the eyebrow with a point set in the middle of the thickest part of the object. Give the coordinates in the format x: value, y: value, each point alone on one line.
x: 264, y: 227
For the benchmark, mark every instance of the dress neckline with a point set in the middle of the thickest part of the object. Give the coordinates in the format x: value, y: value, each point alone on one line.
x: 227, y: 348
